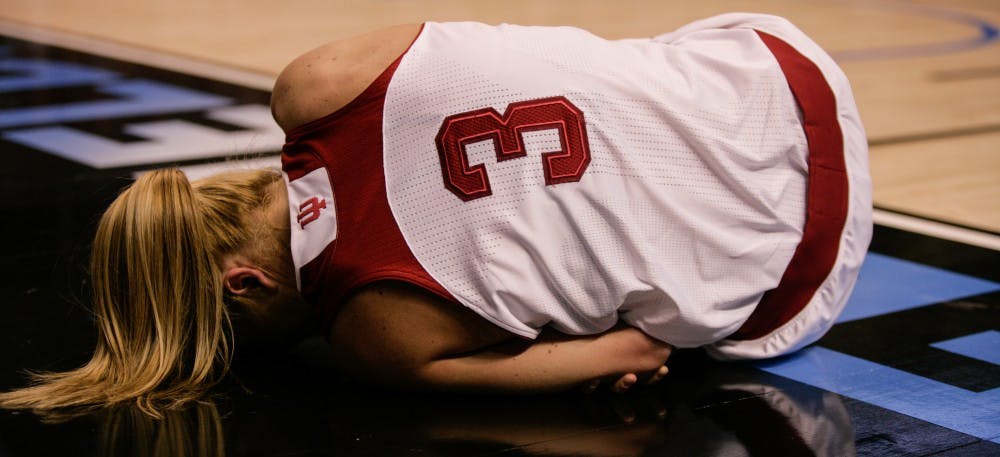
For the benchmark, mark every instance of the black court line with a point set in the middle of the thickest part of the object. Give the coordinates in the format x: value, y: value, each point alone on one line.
x: 965, y: 74
x: 946, y: 254
x: 934, y: 135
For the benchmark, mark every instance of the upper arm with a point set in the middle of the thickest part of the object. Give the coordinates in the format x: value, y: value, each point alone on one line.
x: 325, y: 79
x: 389, y: 331
x: 398, y: 335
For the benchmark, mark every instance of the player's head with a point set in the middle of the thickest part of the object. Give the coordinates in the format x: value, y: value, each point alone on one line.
x: 160, y: 293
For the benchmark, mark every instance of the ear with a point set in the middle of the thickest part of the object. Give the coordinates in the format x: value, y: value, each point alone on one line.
x: 243, y: 280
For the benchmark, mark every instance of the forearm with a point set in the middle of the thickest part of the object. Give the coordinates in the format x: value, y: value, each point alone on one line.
x: 396, y: 335
x: 554, y: 362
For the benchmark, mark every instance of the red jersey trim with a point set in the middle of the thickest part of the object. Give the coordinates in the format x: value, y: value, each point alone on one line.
x: 826, y: 198
x: 369, y: 247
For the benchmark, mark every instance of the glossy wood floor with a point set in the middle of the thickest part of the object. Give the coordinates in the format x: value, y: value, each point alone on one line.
x: 911, y: 368
x: 926, y: 74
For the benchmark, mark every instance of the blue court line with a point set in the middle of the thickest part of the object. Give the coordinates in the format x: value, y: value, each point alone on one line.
x: 983, y: 346
x: 887, y: 284
x: 986, y: 33
x: 34, y: 74
x: 976, y: 414
x: 135, y: 97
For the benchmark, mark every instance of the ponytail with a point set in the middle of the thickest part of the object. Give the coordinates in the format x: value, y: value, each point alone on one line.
x: 164, y: 329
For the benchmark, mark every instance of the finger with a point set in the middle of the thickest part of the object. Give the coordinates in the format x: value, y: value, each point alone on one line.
x: 658, y: 375
x: 590, y: 387
x: 624, y: 383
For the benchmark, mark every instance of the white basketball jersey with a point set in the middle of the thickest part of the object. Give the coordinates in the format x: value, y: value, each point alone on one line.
x: 546, y: 176
x: 689, y: 209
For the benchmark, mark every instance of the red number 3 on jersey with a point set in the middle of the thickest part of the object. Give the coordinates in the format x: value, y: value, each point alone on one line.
x: 470, y: 182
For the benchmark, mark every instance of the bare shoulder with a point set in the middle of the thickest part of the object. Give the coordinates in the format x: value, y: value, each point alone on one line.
x: 388, y: 330
x: 325, y: 79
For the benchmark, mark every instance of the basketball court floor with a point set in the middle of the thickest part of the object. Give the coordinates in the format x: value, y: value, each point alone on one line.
x: 94, y: 93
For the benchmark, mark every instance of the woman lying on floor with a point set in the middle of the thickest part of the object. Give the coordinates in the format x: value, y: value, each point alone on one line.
x: 465, y: 207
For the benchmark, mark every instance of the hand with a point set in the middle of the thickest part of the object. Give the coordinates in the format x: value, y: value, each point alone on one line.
x: 652, y: 352
x: 626, y: 381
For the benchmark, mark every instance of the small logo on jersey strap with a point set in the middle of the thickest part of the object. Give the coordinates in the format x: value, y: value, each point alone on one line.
x: 309, y: 210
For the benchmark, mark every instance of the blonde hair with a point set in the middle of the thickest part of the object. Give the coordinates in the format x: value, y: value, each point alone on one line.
x: 164, y: 327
